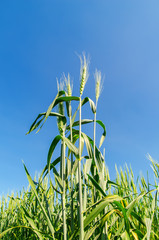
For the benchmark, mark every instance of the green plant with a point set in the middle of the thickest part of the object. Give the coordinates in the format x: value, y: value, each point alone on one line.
x: 80, y: 201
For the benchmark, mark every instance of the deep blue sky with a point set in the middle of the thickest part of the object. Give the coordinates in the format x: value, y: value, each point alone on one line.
x: 39, y: 40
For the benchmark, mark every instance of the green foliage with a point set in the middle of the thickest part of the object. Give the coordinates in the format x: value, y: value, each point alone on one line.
x: 27, y: 215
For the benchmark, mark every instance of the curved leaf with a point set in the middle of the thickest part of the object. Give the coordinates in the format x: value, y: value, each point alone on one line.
x: 55, y: 115
x: 32, y: 223
x: 42, y: 208
x: 86, y: 121
x: 45, y: 170
x: 89, y: 145
x: 36, y: 124
x: 51, y: 150
x: 84, y: 101
x: 71, y: 146
x: 96, y: 185
x: 94, y: 213
x: 53, y: 104
x: 11, y: 228
x: 90, y: 232
x: 65, y: 99
x: 104, y: 133
x: 51, y: 184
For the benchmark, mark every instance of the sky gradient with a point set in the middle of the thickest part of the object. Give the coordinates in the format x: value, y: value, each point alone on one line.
x: 40, y: 40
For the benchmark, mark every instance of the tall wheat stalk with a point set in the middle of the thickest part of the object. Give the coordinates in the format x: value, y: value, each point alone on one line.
x: 69, y: 88
x: 62, y: 127
x: 84, y: 77
x: 97, y: 76
x: 64, y: 189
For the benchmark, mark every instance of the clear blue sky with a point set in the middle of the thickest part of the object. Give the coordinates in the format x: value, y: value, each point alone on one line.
x: 38, y: 42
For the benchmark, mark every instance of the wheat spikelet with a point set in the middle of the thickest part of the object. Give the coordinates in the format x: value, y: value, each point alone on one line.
x: 60, y: 85
x: 98, y: 87
x: 69, y: 85
x: 83, y: 72
x: 60, y: 123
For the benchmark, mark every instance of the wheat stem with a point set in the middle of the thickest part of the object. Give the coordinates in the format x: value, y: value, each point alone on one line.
x: 64, y: 186
x: 79, y: 179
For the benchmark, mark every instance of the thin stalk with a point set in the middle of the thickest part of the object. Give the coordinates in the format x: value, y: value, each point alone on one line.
x: 63, y: 193
x: 94, y: 137
x: 61, y: 127
x: 97, y: 92
x: 72, y: 220
x: 94, y: 154
x: 104, y: 188
x: 94, y: 145
x: 79, y: 179
x: 69, y: 88
x: 84, y: 76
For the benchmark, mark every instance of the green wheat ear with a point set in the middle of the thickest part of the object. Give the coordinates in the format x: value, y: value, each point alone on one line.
x: 83, y: 72
x: 60, y: 123
x: 60, y: 85
x: 98, y: 86
x: 68, y: 84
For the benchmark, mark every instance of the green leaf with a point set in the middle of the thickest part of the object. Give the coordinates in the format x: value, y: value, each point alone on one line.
x: 106, y: 216
x: 87, y: 166
x: 75, y: 165
x: 55, y: 115
x: 86, y: 121
x: 51, y: 184
x: 148, y: 223
x: 11, y: 228
x: 123, y: 210
x: 36, y: 124
x: 138, y: 218
x: 45, y: 114
x: 68, y: 168
x: 125, y: 235
x: 90, y: 232
x: 84, y: 101
x: 83, y: 121
x: 111, y: 183
x: 42, y: 208
x: 104, y: 133
x: 66, y: 99
x: 71, y: 146
x: 58, y: 178
x: 132, y: 204
x: 94, y: 213
x: 137, y: 233
x: 32, y: 223
x: 96, y: 185
x: 69, y: 109
x: 52, y: 106
x: 98, y: 156
x: 45, y: 170
x: 88, y: 145
x: 92, y: 105
x: 51, y: 150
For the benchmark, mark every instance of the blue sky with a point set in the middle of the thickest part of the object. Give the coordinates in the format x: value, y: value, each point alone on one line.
x: 39, y: 41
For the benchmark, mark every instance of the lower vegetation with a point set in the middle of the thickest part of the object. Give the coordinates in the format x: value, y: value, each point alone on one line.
x: 125, y: 209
